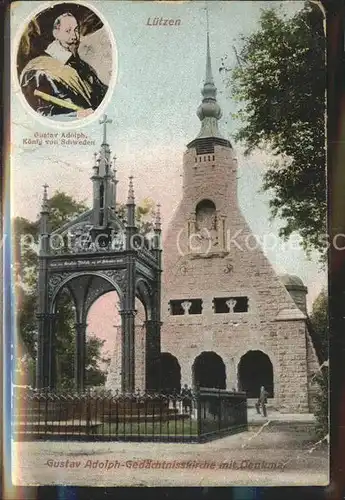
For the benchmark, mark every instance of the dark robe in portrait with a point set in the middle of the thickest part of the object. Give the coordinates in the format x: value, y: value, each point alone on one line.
x: 61, y: 74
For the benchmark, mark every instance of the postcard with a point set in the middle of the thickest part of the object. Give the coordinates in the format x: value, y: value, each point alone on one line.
x: 168, y: 211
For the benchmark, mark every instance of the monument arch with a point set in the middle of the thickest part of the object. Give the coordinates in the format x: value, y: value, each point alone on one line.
x: 254, y: 370
x: 209, y: 371
x: 98, y: 254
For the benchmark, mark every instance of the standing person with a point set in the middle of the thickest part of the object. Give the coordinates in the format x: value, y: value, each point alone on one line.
x: 186, y: 398
x: 262, y: 401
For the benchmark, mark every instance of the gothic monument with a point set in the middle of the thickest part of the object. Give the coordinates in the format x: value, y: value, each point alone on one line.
x: 97, y: 252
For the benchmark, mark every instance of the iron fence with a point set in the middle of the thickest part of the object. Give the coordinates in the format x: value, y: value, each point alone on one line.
x: 140, y: 416
x: 221, y: 412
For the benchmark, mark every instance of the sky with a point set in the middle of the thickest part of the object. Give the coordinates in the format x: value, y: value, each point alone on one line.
x: 159, y: 75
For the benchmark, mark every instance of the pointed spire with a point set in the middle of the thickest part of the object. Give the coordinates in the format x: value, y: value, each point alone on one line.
x: 130, y: 199
x: 104, y: 122
x: 95, y: 164
x: 158, y: 222
x: 209, y: 76
x: 209, y: 111
x: 45, y: 207
x: 104, y: 153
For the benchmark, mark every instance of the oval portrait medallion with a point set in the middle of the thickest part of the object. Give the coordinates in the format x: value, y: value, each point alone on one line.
x: 66, y: 62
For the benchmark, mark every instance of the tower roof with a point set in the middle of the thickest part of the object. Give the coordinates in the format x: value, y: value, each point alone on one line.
x: 292, y: 281
x: 209, y: 111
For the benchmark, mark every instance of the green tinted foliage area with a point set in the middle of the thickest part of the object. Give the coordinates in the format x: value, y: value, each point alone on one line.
x: 279, y: 85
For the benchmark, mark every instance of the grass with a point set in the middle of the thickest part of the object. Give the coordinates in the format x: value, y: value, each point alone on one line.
x: 166, y: 428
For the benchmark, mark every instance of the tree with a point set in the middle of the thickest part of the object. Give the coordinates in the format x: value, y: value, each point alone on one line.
x: 62, y: 209
x: 95, y: 374
x: 321, y: 403
x: 279, y: 85
x: 319, y: 320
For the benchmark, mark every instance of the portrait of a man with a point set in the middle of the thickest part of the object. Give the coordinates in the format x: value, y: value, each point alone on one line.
x: 58, y: 82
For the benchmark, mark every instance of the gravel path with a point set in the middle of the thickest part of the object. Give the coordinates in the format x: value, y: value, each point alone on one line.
x: 250, y: 458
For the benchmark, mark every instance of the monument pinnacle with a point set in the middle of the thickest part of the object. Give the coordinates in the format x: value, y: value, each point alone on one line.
x: 130, y: 199
x: 209, y: 111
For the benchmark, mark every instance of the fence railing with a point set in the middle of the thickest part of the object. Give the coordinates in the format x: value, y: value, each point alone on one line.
x: 221, y: 412
x: 139, y: 416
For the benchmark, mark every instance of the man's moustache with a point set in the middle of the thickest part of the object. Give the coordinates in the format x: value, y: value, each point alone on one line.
x: 73, y: 46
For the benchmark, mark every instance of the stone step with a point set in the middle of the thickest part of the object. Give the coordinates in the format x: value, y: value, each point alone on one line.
x: 281, y: 426
x: 252, y: 401
x: 71, y: 427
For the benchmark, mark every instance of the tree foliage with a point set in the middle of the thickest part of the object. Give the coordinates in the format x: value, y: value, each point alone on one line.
x: 319, y: 319
x: 322, y: 403
x: 279, y: 85
x: 26, y: 244
x: 63, y: 208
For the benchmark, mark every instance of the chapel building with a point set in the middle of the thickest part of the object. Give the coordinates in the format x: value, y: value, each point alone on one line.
x: 228, y: 320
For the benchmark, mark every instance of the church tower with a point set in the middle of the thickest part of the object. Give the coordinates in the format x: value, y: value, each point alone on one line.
x: 228, y: 320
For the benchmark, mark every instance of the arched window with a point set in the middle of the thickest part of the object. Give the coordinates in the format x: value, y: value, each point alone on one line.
x: 205, y: 215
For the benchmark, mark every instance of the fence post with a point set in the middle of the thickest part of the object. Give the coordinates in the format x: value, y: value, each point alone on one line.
x: 198, y: 406
x: 245, y: 404
x: 88, y: 412
x: 219, y: 411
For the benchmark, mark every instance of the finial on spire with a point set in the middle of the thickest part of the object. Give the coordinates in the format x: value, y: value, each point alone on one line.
x: 209, y: 76
x: 158, y: 222
x: 209, y: 111
x: 130, y: 199
x: 114, y: 165
x: 104, y: 122
x: 95, y: 164
x: 45, y: 198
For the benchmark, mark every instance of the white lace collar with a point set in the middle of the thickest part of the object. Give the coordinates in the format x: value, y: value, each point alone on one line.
x: 56, y: 50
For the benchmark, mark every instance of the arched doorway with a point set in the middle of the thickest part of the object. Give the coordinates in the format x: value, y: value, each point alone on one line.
x: 170, y: 373
x: 104, y: 339
x: 254, y: 370
x: 209, y: 371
